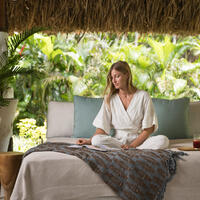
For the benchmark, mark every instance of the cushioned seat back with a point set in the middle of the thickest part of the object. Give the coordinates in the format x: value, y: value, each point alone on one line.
x: 172, y: 117
x: 194, y: 117
x: 85, y: 110
x: 177, y: 118
x: 60, y: 119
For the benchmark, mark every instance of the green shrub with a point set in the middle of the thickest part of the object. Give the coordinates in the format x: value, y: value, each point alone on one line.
x: 30, y: 135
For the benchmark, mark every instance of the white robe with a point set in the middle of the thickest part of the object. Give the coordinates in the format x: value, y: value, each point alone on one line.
x: 128, y: 123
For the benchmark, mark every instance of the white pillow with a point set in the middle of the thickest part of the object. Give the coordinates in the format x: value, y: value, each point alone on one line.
x: 194, y: 117
x: 60, y: 119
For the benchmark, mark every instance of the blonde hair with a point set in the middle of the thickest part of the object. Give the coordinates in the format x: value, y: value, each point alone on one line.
x: 110, y: 89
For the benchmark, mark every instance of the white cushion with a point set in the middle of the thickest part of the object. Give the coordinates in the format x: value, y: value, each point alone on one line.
x: 60, y: 119
x: 194, y: 117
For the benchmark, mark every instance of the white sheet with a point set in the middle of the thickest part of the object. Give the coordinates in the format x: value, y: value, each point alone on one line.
x: 50, y: 176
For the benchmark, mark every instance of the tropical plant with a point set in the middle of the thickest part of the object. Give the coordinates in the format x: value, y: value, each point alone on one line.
x: 174, y: 72
x: 77, y: 64
x: 10, y: 59
x: 29, y: 135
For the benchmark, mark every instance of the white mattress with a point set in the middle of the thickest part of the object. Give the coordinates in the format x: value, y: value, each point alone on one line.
x: 51, y: 175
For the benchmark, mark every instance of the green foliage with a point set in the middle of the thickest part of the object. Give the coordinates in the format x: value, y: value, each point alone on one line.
x: 29, y: 135
x: 15, y: 40
x: 10, y: 62
x: 77, y: 64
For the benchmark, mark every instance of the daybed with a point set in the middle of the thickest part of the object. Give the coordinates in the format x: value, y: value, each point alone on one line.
x: 51, y: 175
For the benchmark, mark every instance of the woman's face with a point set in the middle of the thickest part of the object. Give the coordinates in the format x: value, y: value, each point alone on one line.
x: 119, y: 79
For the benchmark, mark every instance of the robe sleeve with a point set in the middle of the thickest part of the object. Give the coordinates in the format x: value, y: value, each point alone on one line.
x: 150, y: 117
x: 103, y: 118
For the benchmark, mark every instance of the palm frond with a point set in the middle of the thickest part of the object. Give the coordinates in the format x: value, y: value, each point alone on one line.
x: 15, y: 40
x: 9, y: 67
x: 53, y: 78
x: 12, y: 68
x: 9, y: 62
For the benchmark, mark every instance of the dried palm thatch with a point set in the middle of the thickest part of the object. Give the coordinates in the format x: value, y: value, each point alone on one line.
x: 159, y: 16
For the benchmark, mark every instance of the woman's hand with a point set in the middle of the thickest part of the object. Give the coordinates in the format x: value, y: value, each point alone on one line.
x: 140, y: 139
x: 83, y: 141
x: 126, y: 146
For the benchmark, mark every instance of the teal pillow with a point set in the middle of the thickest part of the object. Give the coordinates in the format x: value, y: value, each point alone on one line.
x: 85, y: 110
x: 172, y: 117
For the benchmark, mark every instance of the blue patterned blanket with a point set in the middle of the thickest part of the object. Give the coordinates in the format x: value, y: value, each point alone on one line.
x: 133, y: 174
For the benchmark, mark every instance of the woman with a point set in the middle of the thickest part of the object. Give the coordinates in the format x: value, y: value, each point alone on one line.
x: 129, y: 111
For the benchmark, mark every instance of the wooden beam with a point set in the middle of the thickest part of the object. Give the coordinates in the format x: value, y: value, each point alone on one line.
x: 3, y: 19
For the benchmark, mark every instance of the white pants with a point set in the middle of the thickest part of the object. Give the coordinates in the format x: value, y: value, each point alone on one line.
x: 153, y: 142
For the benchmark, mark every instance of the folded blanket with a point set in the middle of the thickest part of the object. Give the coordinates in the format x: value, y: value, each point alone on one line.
x: 133, y: 174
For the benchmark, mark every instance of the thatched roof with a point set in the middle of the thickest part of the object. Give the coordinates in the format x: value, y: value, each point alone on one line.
x: 159, y: 16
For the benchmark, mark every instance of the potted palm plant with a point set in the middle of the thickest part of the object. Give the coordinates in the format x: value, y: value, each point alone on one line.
x: 9, y: 68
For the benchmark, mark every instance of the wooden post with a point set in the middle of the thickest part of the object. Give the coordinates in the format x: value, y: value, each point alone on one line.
x: 3, y: 18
